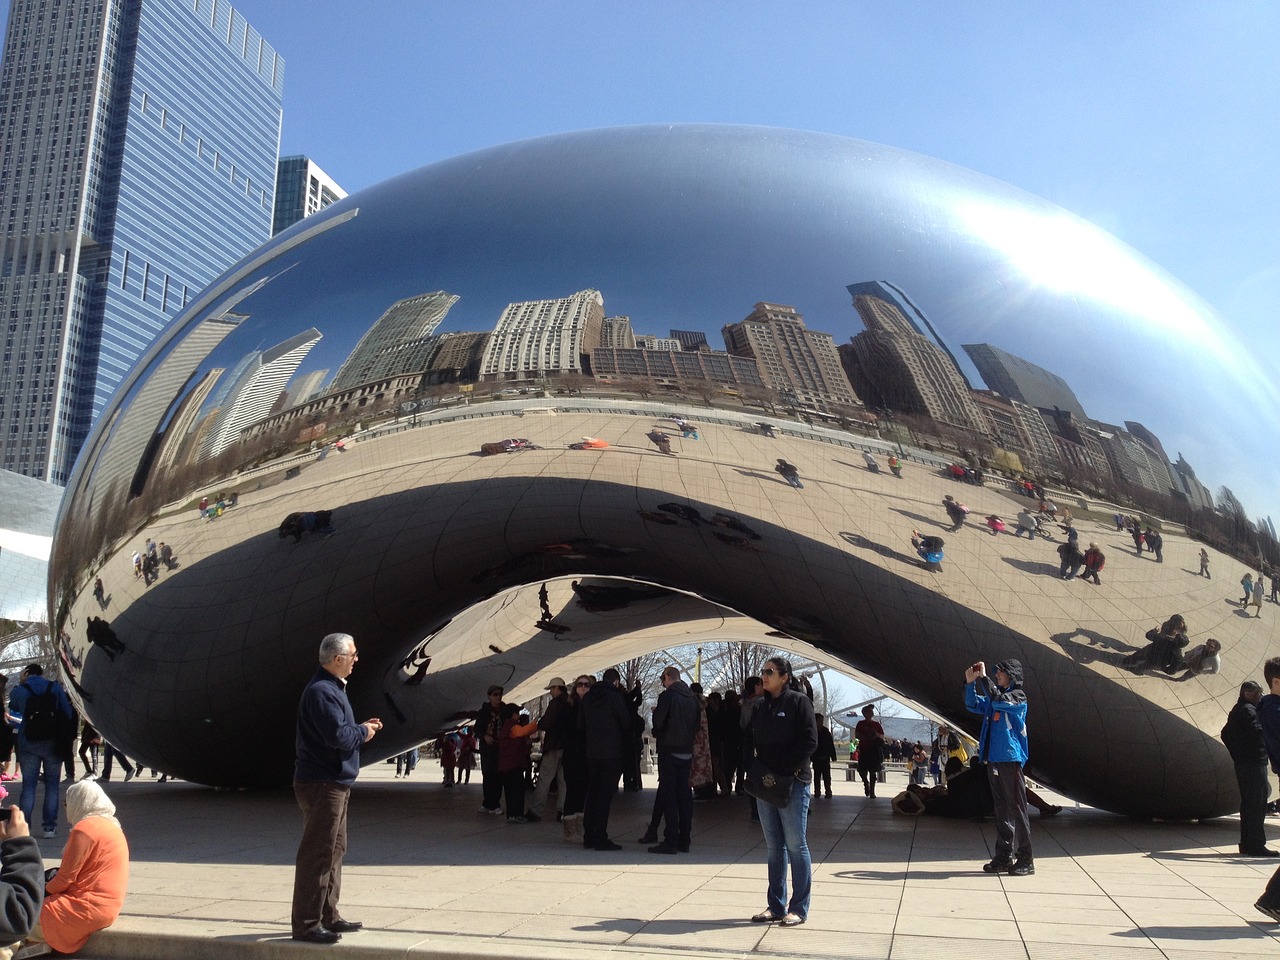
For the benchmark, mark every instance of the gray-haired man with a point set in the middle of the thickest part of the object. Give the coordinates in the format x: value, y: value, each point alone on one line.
x: 328, y: 745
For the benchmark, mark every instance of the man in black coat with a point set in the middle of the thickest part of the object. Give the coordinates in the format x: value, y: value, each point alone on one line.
x: 1243, y: 737
x: 605, y: 721
x: 675, y: 725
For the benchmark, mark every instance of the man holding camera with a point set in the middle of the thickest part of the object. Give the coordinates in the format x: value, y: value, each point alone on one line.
x: 1003, y: 748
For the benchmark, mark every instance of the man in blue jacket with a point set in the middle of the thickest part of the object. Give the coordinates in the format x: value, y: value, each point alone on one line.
x: 328, y: 746
x: 1003, y: 748
x: 43, y: 713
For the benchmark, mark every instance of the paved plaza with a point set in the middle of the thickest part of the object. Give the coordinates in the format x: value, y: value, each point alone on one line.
x: 429, y: 876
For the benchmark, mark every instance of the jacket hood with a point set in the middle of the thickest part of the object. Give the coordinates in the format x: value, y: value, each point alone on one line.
x: 37, y: 685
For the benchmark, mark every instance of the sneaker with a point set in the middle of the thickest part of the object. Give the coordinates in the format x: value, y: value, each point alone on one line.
x: 483, y: 809
x: 1272, y: 912
x: 129, y: 774
x: 50, y: 834
x: 1023, y: 868
x: 997, y: 865
x: 517, y: 820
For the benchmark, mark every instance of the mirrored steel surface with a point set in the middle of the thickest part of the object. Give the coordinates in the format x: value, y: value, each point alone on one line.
x: 197, y: 670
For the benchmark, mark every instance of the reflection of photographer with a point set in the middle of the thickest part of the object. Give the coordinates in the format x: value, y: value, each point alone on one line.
x: 1003, y: 747
x: 21, y: 881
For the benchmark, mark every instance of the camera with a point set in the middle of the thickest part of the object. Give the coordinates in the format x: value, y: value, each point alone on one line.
x: 6, y: 813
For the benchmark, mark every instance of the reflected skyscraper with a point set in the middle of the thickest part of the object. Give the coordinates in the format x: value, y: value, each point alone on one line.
x: 1022, y: 380
x: 894, y: 364
x: 617, y: 332
x: 400, y: 342
x: 256, y: 391
x: 538, y: 338
x: 792, y: 358
x: 139, y: 161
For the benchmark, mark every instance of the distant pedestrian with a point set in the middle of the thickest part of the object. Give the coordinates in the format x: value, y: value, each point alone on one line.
x: 662, y: 441
x: 872, y: 464
x: 1094, y: 561
x: 929, y: 549
x: 1247, y: 583
x: 1072, y: 559
x: 1156, y: 543
x: 790, y: 473
x: 823, y: 757
x: 1027, y: 524
x: 1257, y: 595
x: 956, y: 511
x: 1204, y: 563
x: 870, y: 750
x: 995, y: 524
x: 1275, y: 587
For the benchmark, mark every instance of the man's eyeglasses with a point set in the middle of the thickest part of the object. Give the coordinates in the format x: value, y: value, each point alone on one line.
x: 353, y: 655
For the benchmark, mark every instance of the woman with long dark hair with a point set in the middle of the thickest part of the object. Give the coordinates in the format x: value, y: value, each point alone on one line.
x: 785, y: 734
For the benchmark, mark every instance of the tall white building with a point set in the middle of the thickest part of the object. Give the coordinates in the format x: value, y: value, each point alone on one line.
x: 257, y: 389
x: 616, y: 332
x: 539, y: 338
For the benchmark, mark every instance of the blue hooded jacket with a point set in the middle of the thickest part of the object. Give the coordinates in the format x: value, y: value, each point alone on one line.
x: 1004, y: 716
x: 37, y: 685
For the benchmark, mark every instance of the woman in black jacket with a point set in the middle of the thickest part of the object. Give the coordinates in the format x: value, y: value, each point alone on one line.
x: 785, y: 735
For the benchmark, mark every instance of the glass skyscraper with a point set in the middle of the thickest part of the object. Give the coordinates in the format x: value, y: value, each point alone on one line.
x: 140, y: 140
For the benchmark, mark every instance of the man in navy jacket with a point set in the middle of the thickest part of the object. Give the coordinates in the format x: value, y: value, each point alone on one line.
x: 328, y: 746
x: 40, y: 753
x: 1003, y: 748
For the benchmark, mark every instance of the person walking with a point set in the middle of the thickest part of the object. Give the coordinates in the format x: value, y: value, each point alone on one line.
x: 1258, y: 587
x: 1247, y: 583
x: 605, y: 722
x: 956, y: 511
x: 823, y: 757
x: 1094, y: 561
x: 1003, y: 748
x: 1204, y: 563
x: 675, y: 726
x: 790, y: 473
x: 43, y: 714
x: 784, y: 734
x: 327, y: 747
x: 1244, y: 741
x: 870, y: 736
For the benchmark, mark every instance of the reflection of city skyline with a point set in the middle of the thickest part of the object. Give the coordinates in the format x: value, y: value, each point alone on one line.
x: 897, y: 363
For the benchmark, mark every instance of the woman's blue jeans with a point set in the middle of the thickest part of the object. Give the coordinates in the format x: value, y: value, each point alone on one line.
x: 785, y: 835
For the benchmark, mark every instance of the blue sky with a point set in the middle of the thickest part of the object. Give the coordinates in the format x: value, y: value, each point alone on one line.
x: 1156, y: 121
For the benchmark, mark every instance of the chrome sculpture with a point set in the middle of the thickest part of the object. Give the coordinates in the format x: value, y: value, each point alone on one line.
x: 431, y: 554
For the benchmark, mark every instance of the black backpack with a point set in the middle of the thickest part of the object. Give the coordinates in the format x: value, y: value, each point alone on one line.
x: 40, y: 719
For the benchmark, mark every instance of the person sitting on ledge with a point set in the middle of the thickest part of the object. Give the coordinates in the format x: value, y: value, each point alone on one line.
x: 87, y: 891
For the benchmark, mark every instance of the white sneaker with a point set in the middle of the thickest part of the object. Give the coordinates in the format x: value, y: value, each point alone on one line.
x: 50, y: 834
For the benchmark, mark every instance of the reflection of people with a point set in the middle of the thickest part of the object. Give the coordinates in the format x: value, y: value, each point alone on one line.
x: 296, y: 524
x: 328, y: 746
x: 790, y: 473
x: 1164, y: 652
x: 1205, y: 658
x: 929, y: 549
x: 1002, y: 746
x: 956, y: 511
x: 87, y: 892
x: 662, y: 441
x: 1243, y: 738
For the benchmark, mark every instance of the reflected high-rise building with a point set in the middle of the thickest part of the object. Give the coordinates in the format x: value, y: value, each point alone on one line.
x: 1189, y: 485
x: 458, y: 359
x: 792, y: 358
x: 540, y: 338
x: 400, y: 342
x: 617, y: 332
x: 651, y: 341
x: 305, y: 387
x: 894, y: 364
x: 691, y: 339
x: 140, y: 145
x: 302, y: 189
x: 1022, y: 380
x: 256, y: 391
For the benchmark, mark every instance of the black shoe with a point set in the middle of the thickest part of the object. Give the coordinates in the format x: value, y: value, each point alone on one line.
x: 1023, y: 868
x: 346, y: 926
x: 682, y: 847
x: 318, y: 934
x: 663, y: 848
x: 532, y: 818
x: 1272, y: 912
x: 1264, y: 852
x: 998, y: 865
x: 648, y: 838
x: 607, y: 845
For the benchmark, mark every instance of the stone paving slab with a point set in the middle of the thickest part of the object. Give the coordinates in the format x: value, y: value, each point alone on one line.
x: 212, y: 873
